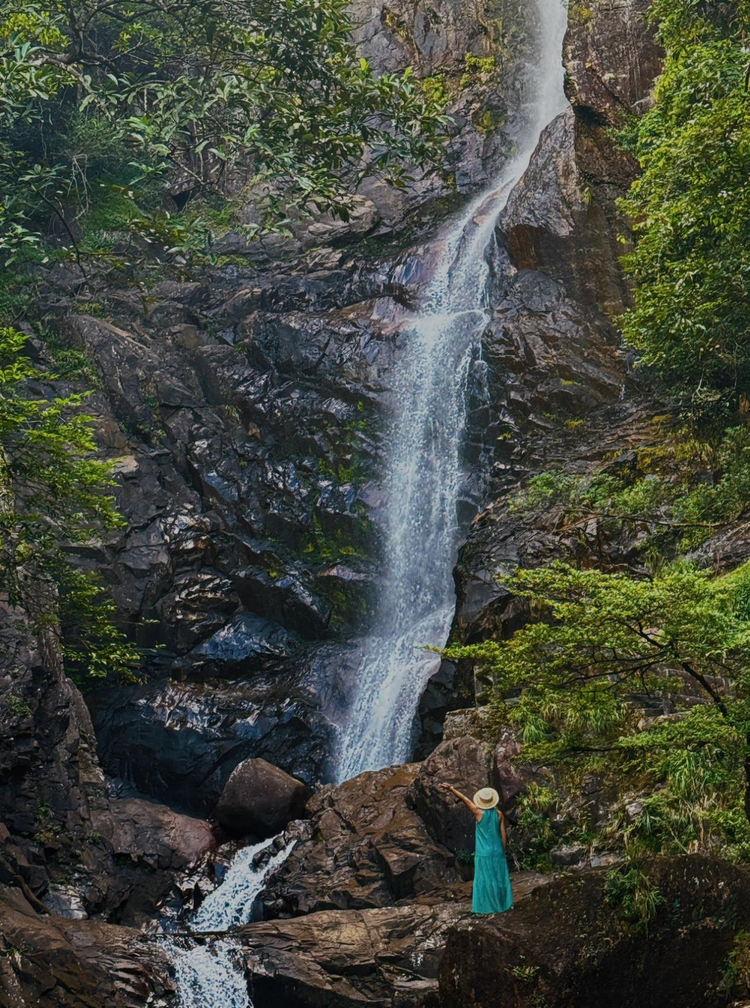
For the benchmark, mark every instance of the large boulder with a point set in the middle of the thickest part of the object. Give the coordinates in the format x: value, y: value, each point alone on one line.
x: 464, y: 763
x: 154, y: 835
x: 568, y: 944
x: 364, y: 846
x: 259, y: 799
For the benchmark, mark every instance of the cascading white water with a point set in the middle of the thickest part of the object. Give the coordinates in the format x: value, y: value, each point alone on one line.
x: 423, y: 450
x: 213, y: 975
x: 422, y: 486
x: 232, y: 903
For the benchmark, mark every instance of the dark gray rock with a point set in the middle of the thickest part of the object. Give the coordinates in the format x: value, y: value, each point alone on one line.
x: 180, y: 741
x: 259, y: 799
x: 248, y: 641
x: 612, y: 58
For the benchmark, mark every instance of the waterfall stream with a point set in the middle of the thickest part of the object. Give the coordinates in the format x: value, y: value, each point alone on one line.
x: 421, y: 532
x: 213, y: 975
x: 423, y: 448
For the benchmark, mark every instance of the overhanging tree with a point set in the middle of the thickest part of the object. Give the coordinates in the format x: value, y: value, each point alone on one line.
x: 568, y: 681
x: 109, y: 99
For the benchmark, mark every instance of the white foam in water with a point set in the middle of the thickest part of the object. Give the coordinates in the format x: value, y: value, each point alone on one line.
x: 231, y: 903
x: 213, y: 975
x: 424, y: 473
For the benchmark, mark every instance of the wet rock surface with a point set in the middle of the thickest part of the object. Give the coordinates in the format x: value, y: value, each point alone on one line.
x: 180, y: 741
x: 245, y: 408
x: 566, y: 944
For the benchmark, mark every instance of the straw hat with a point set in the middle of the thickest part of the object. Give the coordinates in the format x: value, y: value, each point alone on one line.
x: 486, y: 798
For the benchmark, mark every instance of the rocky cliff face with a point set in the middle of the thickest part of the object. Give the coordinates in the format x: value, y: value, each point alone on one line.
x: 245, y: 410
x: 560, y: 390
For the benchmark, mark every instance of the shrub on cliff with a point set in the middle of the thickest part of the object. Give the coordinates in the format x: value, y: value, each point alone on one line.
x: 54, y: 493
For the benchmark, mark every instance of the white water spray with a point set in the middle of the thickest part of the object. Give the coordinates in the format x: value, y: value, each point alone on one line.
x: 424, y: 474
x: 213, y: 975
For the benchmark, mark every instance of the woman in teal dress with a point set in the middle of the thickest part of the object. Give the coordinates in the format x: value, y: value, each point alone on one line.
x: 492, y: 892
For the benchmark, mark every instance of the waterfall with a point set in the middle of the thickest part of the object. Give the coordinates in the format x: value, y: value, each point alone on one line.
x: 421, y: 533
x: 213, y: 975
x: 423, y: 448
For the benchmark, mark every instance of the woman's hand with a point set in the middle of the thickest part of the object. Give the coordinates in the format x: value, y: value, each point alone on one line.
x: 446, y: 787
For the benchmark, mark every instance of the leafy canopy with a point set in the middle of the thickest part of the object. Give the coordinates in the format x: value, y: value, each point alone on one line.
x: 691, y: 210
x: 53, y: 495
x: 108, y: 102
x: 571, y: 682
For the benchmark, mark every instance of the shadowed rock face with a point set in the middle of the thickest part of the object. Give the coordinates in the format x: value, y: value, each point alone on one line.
x: 612, y: 58
x: 567, y: 945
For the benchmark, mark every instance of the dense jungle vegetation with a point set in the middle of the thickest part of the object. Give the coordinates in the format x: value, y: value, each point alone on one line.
x: 130, y: 128
x: 673, y: 626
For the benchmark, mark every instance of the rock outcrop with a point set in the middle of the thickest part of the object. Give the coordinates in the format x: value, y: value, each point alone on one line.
x: 383, y: 957
x: 259, y: 799
x: 46, y: 961
x: 364, y: 846
x: 568, y: 944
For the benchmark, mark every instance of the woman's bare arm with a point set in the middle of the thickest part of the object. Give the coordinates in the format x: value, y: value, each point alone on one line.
x: 467, y: 801
x: 503, y: 830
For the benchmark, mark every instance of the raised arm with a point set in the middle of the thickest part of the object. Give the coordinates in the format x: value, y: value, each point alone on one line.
x: 467, y: 801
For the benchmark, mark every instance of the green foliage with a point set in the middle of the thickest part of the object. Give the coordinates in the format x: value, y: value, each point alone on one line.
x: 567, y: 683
x: 92, y: 643
x: 736, y: 973
x: 635, y: 895
x: 533, y: 821
x: 682, y: 492
x: 691, y: 211
x: 53, y: 494
x: 105, y: 105
x: 478, y: 68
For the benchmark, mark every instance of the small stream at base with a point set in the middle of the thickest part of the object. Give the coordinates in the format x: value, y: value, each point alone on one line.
x: 212, y: 975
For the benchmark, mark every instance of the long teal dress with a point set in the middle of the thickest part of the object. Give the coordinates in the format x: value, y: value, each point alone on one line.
x: 492, y: 892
